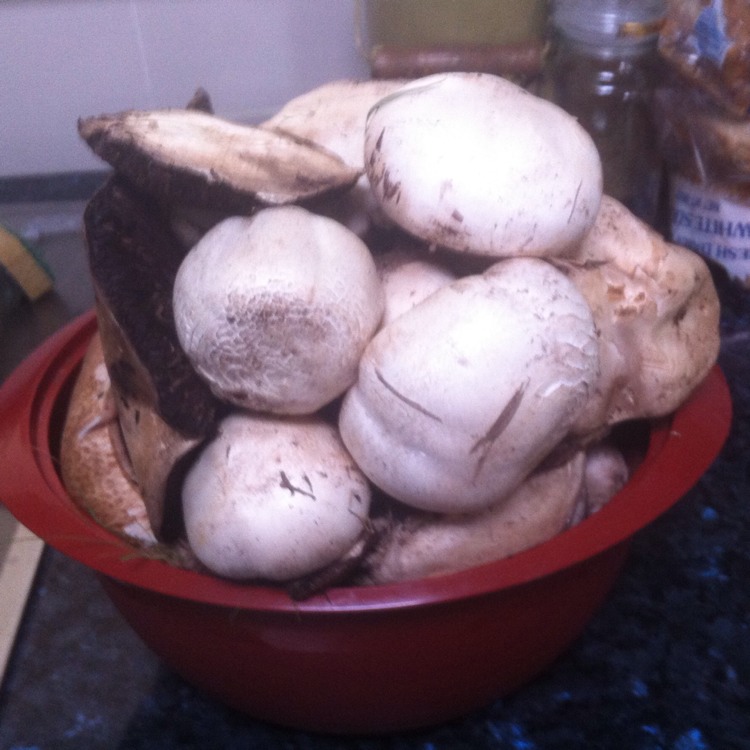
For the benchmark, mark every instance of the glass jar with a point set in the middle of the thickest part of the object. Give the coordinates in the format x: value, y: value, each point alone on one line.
x: 604, y: 68
x: 411, y: 38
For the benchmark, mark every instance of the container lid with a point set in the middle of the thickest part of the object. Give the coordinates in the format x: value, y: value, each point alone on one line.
x: 616, y: 24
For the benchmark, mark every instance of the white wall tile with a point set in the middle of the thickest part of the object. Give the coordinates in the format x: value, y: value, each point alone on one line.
x: 63, y: 59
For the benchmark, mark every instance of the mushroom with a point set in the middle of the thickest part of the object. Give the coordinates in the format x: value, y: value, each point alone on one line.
x: 657, y: 313
x: 409, y: 275
x: 548, y: 502
x: 90, y: 465
x: 272, y: 498
x: 333, y: 116
x: 477, y: 164
x: 190, y: 157
x: 460, y: 398
x: 275, y: 310
x: 606, y: 473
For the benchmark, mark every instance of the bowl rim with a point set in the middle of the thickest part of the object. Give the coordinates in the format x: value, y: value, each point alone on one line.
x: 681, y: 448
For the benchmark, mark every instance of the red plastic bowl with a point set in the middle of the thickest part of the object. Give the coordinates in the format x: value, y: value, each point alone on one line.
x: 355, y: 659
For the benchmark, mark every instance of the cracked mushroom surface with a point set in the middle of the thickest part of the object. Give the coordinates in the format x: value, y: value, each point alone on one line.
x: 461, y: 397
x: 275, y: 310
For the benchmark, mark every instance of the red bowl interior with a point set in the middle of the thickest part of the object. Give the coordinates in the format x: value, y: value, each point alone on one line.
x: 330, y: 651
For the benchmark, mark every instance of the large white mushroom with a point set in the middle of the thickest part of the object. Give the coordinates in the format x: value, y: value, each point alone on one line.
x: 475, y: 163
x: 275, y: 310
x: 273, y: 498
x: 461, y: 397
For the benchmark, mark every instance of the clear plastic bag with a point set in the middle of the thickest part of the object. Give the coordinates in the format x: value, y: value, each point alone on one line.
x: 707, y: 153
x: 708, y: 43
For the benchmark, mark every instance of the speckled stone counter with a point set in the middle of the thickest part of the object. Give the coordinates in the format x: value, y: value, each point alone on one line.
x: 665, y: 664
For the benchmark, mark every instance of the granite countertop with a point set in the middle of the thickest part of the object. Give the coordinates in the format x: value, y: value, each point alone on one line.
x: 665, y: 664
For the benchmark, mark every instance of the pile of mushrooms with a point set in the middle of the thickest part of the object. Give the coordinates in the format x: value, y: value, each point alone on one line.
x: 383, y: 335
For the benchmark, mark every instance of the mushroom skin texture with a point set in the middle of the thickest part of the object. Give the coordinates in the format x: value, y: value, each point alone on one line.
x: 549, y: 501
x: 273, y: 499
x: 657, y: 311
x: 408, y: 276
x: 275, y: 310
x: 472, y: 162
x: 460, y: 398
x: 333, y: 116
x: 430, y: 544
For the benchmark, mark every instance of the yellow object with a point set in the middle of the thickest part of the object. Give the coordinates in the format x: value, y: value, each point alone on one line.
x: 21, y: 264
x: 430, y: 22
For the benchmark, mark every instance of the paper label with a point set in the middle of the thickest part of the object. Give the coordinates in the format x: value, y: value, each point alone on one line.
x: 712, y: 224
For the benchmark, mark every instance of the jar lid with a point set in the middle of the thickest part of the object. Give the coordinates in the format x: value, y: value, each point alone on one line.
x: 617, y: 24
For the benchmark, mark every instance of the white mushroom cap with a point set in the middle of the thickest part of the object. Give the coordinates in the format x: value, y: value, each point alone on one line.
x: 274, y: 499
x: 461, y: 397
x: 475, y: 163
x: 274, y: 311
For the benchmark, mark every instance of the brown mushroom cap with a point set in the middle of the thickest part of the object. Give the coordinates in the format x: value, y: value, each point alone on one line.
x: 196, y: 158
x: 90, y: 467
